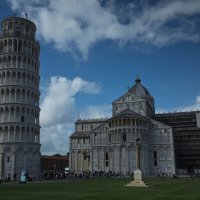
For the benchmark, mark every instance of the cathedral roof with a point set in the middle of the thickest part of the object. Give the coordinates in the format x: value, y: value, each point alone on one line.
x: 128, y: 114
x: 81, y: 121
x: 80, y: 135
x: 138, y: 89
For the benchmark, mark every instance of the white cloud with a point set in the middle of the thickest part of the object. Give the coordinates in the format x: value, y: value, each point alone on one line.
x: 59, y: 100
x: 192, y: 107
x: 76, y: 25
x: 58, y: 112
x: 98, y: 111
x: 55, y: 138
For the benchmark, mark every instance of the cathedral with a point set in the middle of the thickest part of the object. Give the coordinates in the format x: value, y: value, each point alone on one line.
x: 109, y: 144
x: 170, y: 142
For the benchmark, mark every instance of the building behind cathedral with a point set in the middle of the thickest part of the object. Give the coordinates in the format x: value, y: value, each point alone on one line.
x: 170, y: 142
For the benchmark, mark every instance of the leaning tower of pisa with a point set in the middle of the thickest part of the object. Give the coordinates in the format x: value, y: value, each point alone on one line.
x: 19, y: 99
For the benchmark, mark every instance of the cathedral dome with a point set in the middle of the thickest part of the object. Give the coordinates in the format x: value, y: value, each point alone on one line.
x: 138, y: 89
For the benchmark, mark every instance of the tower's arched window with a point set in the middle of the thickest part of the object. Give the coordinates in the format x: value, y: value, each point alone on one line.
x: 18, y: 30
x: 10, y: 26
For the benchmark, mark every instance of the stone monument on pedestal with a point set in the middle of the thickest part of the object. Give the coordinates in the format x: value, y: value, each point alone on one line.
x: 137, y: 182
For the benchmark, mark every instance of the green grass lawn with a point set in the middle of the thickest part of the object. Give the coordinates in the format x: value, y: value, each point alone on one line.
x: 94, y: 189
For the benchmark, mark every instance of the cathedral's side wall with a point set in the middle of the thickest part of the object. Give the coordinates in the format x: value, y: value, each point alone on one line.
x: 161, y: 152
x: 198, y: 119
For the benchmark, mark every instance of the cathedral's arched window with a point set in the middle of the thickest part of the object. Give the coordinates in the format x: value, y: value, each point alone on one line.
x: 155, y: 154
x: 22, y: 118
x: 91, y: 126
x: 106, y: 159
x: 124, y: 137
x: 155, y: 157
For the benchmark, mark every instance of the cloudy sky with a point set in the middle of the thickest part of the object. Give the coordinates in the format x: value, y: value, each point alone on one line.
x: 92, y: 50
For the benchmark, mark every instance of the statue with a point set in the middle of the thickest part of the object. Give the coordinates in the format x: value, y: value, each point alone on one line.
x: 137, y: 182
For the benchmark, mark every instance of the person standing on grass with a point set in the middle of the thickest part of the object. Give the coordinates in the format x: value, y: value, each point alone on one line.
x: 9, y: 177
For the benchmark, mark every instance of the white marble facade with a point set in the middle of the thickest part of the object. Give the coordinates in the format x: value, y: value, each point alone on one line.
x: 19, y: 99
x: 110, y: 144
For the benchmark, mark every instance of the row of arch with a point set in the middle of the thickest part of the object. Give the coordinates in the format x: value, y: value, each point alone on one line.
x: 19, y: 114
x: 19, y: 27
x: 19, y: 62
x: 129, y: 130
x: 128, y: 146
x: 81, y: 143
x: 19, y: 46
x: 19, y: 134
x: 19, y: 148
x: 11, y: 77
x: 118, y: 137
x: 16, y: 95
x: 127, y: 122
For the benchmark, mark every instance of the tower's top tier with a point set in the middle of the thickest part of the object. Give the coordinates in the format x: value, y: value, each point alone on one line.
x: 18, y: 27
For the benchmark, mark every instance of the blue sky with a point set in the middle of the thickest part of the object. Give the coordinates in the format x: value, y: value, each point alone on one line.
x: 91, y: 51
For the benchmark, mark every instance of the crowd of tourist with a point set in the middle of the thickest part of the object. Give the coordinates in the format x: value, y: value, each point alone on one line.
x: 55, y: 175
x: 84, y: 174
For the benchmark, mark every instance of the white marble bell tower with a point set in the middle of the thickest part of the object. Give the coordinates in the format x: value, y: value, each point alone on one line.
x: 19, y: 99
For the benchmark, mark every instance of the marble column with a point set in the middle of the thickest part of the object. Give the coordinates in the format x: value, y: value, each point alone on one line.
x: 138, y: 156
x: 2, y: 165
x: 13, y: 172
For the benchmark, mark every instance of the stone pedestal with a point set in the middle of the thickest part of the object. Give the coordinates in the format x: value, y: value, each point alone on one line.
x: 138, y: 182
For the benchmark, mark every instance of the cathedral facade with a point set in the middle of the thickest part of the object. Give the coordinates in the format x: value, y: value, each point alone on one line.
x: 110, y: 144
